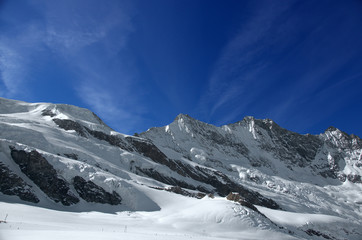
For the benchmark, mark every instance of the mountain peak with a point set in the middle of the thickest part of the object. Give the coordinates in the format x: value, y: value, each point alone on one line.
x: 188, y: 120
x: 185, y: 117
x: 334, y: 131
x: 331, y: 129
x: 263, y: 123
x: 248, y: 118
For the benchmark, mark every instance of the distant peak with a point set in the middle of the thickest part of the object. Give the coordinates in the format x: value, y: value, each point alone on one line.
x: 183, y: 116
x: 266, y: 121
x: 331, y: 129
x: 248, y: 118
x: 334, y: 129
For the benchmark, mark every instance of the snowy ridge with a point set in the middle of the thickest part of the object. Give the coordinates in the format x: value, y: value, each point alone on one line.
x: 265, y: 146
x: 315, y: 180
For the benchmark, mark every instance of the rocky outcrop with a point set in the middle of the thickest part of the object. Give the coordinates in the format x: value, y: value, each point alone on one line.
x: 342, y: 140
x: 235, y: 197
x: 264, y: 144
x: 351, y: 177
x: 293, y: 148
x: 91, y: 192
x: 48, y: 112
x: 111, y: 139
x: 67, y: 124
x: 219, y: 181
x: 37, y: 168
x: 12, y: 184
x: 183, y: 192
x: 84, y: 131
x: 71, y: 156
x: 312, y: 232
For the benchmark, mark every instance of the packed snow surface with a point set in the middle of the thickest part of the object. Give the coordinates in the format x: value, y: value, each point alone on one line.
x: 180, y: 218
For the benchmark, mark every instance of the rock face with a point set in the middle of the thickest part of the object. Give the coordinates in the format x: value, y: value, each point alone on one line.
x: 37, y: 168
x: 219, y: 181
x: 235, y: 197
x: 91, y: 192
x: 67, y: 124
x: 12, y: 184
x: 263, y: 145
x: 292, y: 148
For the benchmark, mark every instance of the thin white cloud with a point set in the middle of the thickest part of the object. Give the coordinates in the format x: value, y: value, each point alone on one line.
x: 15, y: 58
x: 11, y: 74
x: 74, y: 25
x: 88, y: 39
x: 243, y: 78
x: 236, y: 71
x: 115, y: 104
x: 102, y: 102
x: 74, y: 30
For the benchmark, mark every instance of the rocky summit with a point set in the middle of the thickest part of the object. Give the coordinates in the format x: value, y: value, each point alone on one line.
x: 65, y: 157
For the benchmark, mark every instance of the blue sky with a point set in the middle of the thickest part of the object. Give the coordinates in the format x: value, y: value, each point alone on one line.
x: 137, y: 64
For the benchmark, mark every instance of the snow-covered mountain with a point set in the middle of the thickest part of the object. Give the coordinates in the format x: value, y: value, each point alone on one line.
x: 262, y: 145
x: 278, y: 182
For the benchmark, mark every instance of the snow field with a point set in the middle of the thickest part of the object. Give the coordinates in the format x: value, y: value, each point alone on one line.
x: 179, y: 218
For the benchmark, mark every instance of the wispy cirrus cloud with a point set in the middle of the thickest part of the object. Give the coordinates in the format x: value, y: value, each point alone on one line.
x: 86, y: 41
x: 106, y: 105
x: 11, y: 74
x: 93, y: 39
x: 16, y: 52
x: 236, y: 71
x: 278, y: 63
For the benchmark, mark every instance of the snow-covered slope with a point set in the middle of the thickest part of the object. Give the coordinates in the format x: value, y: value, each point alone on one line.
x: 265, y: 146
x: 302, y: 173
x: 65, y: 158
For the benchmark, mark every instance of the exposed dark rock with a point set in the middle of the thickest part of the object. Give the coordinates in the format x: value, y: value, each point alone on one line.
x: 179, y: 190
x: 67, y: 124
x: 111, y: 139
x: 312, y: 232
x: 291, y: 147
x: 48, y: 112
x: 235, y: 197
x: 329, y: 173
x: 354, y: 178
x: 183, y: 192
x: 342, y: 177
x: 91, y: 192
x: 165, y: 179
x: 148, y: 149
x: 82, y: 131
x: 12, y: 184
x: 222, y: 184
x: 71, y: 156
x: 37, y: 168
x: 254, y: 178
